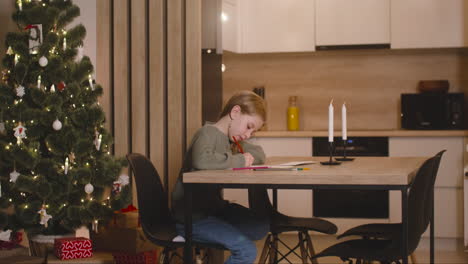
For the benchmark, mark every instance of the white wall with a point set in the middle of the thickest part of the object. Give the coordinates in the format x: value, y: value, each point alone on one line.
x: 88, y: 19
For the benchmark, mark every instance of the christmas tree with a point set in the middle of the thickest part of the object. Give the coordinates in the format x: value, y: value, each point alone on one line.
x: 56, y: 169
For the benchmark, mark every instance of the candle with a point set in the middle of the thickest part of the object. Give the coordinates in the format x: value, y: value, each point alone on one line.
x: 90, y: 80
x: 64, y: 44
x: 330, y: 122
x: 343, y: 121
x: 39, y: 82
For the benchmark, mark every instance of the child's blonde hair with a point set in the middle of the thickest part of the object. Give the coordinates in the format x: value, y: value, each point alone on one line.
x: 249, y: 102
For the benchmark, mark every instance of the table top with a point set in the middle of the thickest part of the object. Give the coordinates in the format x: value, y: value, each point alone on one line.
x: 361, y: 171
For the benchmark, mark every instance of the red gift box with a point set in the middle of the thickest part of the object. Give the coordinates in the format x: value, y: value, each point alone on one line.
x: 73, y: 248
x: 145, y: 257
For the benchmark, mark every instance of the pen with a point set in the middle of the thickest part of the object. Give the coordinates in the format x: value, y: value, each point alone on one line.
x: 281, y: 169
x: 239, y: 147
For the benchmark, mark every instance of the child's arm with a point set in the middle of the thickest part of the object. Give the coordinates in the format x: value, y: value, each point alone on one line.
x: 206, y: 154
x: 255, y: 150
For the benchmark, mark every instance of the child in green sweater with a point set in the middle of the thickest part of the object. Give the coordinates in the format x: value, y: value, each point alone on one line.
x: 215, y: 220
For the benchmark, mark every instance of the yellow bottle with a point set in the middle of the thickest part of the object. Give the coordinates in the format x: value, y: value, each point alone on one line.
x: 293, y: 114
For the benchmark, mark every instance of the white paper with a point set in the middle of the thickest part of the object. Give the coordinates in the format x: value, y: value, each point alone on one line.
x: 297, y: 163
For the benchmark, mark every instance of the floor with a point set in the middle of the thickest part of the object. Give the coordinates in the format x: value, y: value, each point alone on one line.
x: 447, y: 252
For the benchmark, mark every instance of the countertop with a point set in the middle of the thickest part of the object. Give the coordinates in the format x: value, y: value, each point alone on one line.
x: 364, y: 133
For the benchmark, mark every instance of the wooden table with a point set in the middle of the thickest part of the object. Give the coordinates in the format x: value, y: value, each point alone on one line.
x: 364, y: 173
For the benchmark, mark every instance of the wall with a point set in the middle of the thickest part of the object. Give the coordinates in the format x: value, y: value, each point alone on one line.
x: 369, y: 81
x: 6, y: 10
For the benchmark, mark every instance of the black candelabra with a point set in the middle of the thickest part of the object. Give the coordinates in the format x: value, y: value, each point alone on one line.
x: 331, y: 161
x: 344, y: 158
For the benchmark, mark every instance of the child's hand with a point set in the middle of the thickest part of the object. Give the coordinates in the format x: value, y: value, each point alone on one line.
x: 249, y: 159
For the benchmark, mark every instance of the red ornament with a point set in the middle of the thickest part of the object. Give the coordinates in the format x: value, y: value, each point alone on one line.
x: 61, y: 86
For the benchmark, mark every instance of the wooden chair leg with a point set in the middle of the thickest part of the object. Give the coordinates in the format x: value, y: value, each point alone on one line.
x: 311, y: 247
x: 302, y: 247
x: 266, y: 249
x: 413, y: 258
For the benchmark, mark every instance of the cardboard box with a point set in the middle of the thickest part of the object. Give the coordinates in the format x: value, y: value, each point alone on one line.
x: 146, y: 257
x: 125, y: 220
x: 127, y: 240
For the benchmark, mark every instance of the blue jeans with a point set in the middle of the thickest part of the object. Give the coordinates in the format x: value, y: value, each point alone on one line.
x: 235, y: 228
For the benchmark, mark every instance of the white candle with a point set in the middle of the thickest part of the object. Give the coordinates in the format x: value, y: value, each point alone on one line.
x: 39, y: 82
x: 330, y: 122
x: 90, y: 80
x: 343, y: 121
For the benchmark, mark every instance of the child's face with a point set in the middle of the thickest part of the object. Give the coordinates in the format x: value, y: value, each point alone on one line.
x: 243, y: 125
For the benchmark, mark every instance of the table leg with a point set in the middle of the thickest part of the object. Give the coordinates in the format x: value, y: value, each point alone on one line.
x: 188, y: 223
x: 404, y: 222
x: 432, y: 230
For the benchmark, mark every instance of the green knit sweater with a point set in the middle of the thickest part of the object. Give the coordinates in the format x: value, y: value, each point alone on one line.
x: 210, y: 150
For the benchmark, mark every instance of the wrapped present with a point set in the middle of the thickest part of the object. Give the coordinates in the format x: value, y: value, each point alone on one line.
x: 145, y: 257
x: 73, y: 248
x: 126, y: 218
x: 128, y: 240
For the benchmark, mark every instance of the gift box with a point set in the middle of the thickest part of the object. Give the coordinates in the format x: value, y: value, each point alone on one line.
x: 146, y: 257
x: 128, y: 240
x: 126, y: 218
x: 73, y: 248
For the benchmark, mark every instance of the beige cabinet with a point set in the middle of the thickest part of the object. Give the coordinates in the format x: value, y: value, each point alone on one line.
x: 357, y: 22
x: 268, y: 26
x: 429, y: 23
x: 449, y: 184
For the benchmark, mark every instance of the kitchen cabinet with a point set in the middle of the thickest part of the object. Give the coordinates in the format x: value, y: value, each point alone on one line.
x: 357, y: 22
x: 449, y: 183
x: 429, y: 23
x: 263, y: 26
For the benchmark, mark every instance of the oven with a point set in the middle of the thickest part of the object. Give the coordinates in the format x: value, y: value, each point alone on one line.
x: 369, y: 204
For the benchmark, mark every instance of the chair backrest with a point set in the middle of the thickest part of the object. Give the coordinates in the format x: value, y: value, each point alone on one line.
x: 153, y: 207
x: 420, y: 200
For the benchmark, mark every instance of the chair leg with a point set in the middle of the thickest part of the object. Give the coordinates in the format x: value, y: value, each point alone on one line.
x: 303, y: 249
x: 413, y: 258
x: 274, y: 249
x: 266, y: 249
x: 310, y: 247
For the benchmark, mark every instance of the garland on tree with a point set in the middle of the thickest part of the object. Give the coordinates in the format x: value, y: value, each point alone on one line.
x: 55, y: 160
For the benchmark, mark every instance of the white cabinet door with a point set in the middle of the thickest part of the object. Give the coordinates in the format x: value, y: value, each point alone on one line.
x: 357, y: 22
x: 449, y: 183
x: 429, y: 23
x: 268, y: 26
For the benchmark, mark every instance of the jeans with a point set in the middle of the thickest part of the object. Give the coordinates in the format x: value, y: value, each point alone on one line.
x: 235, y: 228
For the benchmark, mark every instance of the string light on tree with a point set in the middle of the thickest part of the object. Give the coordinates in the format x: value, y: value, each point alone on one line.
x: 90, y: 80
x: 9, y: 51
x: 66, y: 166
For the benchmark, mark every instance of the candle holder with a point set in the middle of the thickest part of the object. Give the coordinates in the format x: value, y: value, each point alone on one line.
x: 344, y: 158
x: 330, y: 162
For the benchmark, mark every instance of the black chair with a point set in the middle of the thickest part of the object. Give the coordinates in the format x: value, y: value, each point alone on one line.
x: 155, y: 216
x: 280, y: 223
x: 382, y: 242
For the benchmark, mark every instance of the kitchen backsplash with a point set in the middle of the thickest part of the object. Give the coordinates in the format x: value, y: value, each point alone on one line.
x: 369, y: 81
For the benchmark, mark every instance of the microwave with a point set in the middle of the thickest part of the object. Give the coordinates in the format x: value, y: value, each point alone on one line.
x: 436, y: 111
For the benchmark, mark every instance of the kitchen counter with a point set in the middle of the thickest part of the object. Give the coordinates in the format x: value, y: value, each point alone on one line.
x: 364, y: 133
